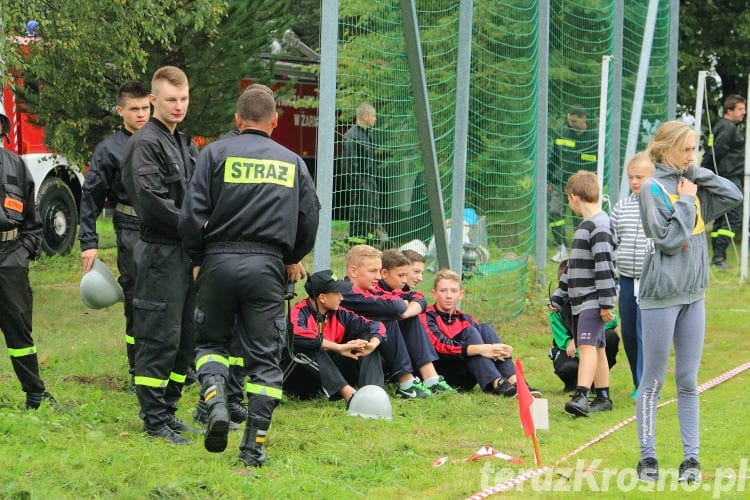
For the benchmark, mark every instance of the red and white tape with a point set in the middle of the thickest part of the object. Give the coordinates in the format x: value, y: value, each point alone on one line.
x: 522, y: 478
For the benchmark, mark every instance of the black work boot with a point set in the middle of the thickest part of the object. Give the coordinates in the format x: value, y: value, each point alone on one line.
x: 237, y: 412
x: 200, y: 415
x: 34, y: 399
x: 214, y: 395
x: 251, y: 447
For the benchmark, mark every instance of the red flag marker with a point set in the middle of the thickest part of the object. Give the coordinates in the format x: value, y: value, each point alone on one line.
x: 525, y: 399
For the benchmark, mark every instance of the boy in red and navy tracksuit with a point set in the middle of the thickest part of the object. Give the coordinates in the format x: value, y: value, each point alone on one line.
x: 344, y: 344
x: 470, y: 352
x: 363, y: 268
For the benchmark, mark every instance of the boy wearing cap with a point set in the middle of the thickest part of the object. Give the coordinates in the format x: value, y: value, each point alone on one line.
x: 338, y: 339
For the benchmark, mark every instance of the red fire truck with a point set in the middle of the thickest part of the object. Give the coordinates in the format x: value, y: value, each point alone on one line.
x: 58, y: 183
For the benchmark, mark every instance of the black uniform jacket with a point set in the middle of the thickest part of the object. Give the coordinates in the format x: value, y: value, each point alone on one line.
x: 250, y: 189
x: 103, y: 182
x: 156, y: 170
x: 17, y: 209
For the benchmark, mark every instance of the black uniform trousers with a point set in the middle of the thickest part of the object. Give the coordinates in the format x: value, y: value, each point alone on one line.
x: 163, y: 324
x: 250, y: 287
x: 16, y: 305
x: 465, y: 373
x: 128, y: 232
x: 731, y: 222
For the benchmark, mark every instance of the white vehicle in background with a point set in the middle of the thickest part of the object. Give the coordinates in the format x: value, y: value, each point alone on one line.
x: 57, y: 182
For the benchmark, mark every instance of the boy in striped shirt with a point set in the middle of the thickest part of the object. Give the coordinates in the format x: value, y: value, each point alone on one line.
x: 591, y: 290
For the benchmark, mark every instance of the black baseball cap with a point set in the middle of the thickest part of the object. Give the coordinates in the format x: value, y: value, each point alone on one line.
x: 324, y: 282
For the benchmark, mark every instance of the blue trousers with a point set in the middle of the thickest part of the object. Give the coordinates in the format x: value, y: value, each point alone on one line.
x: 630, y: 328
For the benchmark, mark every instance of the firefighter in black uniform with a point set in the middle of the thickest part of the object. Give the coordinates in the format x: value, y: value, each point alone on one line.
x: 251, y: 211
x: 20, y: 237
x: 156, y: 170
x: 103, y: 182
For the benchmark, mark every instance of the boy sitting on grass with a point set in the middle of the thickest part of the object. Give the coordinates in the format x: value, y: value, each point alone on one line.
x: 363, y: 265
x: 591, y: 289
x: 470, y: 352
x: 344, y: 344
x: 416, y: 271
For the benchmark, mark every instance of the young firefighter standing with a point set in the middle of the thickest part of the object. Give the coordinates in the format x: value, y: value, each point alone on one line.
x: 591, y: 290
x: 675, y: 203
x: 250, y: 216
x: 20, y: 237
x: 104, y: 182
x: 157, y: 167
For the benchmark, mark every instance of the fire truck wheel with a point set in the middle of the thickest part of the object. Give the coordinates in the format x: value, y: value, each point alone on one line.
x: 57, y: 211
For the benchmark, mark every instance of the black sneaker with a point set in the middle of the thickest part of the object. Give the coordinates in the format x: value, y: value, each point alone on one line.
x: 34, y: 399
x: 648, y: 469
x: 164, y: 432
x: 690, y: 471
x: 600, y: 404
x: 179, y: 426
x: 578, y: 405
x: 505, y: 388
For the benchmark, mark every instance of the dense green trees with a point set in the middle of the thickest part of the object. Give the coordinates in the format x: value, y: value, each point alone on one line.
x: 84, y: 51
x: 714, y: 35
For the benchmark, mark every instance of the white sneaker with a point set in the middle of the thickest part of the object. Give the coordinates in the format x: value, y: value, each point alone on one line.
x: 562, y: 254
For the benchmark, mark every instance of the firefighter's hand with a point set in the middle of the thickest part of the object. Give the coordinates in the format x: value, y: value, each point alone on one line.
x: 196, y: 270
x: 295, y: 272
x: 88, y: 257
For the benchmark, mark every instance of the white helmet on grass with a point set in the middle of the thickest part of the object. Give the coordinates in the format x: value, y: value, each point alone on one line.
x: 370, y: 401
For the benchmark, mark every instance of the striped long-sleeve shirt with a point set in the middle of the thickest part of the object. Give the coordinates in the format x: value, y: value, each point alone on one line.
x: 591, y: 267
x: 631, y: 240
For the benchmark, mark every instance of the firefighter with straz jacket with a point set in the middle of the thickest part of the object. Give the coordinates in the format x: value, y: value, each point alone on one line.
x: 250, y: 215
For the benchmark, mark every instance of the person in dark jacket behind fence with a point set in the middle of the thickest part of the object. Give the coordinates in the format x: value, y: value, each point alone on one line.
x: 157, y: 167
x: 103, y: 183
x: 250, y: 216
x: 726, y: 156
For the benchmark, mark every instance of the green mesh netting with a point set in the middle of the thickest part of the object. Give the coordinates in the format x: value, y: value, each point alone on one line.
x: 390, y: 209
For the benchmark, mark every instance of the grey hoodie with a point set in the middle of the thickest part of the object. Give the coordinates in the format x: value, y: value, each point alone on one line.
x: 675, y: 270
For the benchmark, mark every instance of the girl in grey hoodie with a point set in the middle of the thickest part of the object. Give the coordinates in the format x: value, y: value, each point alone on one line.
x: 675, y: 204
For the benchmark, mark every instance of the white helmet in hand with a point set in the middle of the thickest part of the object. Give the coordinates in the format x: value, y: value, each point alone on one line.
x: 371, y: 401
x: 99, y: 288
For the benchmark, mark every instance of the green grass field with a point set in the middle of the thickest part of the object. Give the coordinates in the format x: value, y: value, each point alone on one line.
x: 92, y: 444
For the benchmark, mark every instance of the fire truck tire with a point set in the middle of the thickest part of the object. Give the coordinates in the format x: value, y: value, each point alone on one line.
x: 56, y: 207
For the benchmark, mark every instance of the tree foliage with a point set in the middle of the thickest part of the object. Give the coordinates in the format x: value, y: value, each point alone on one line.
x: 83, y: 52
x: 714, y: 36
